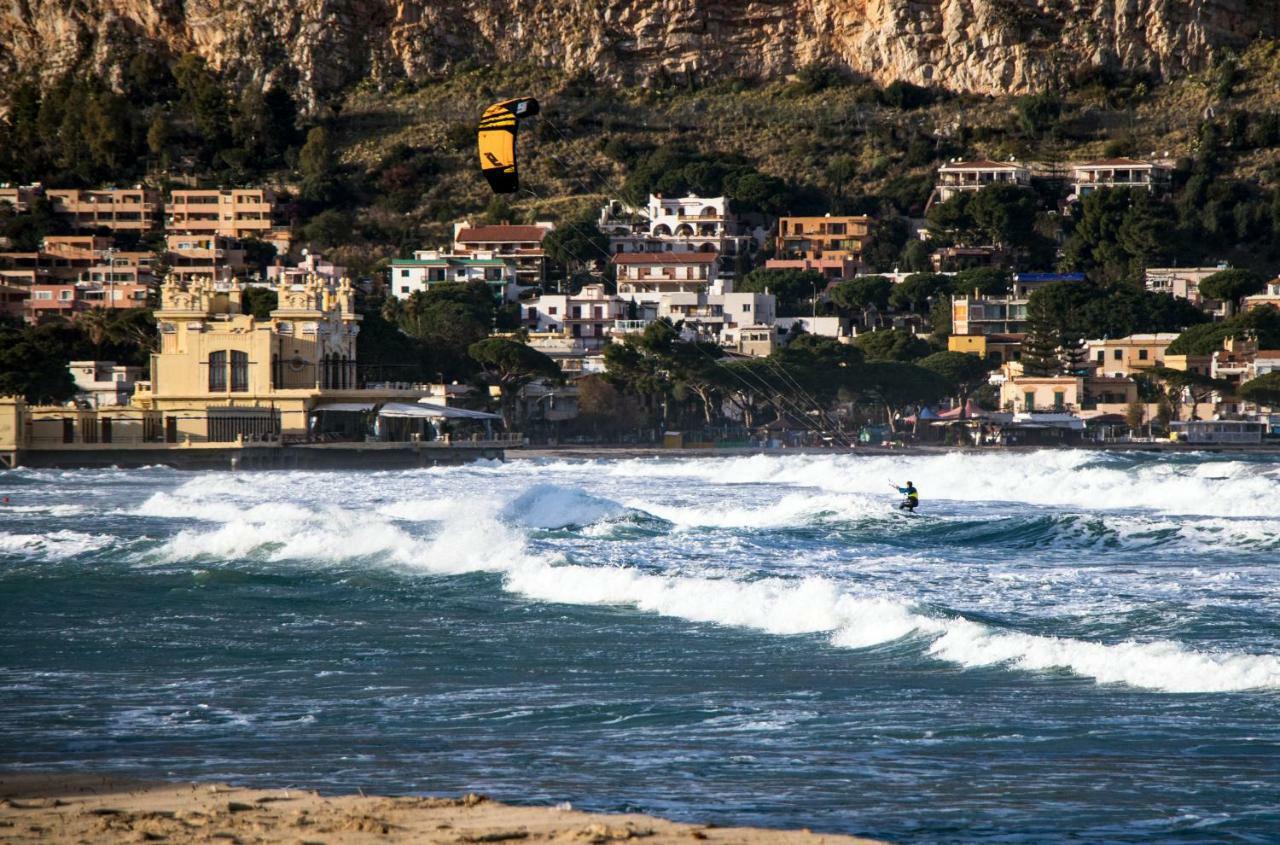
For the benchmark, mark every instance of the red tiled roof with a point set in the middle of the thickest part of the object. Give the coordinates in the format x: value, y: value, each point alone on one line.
x: 505, y: 234
x: 665, y: 258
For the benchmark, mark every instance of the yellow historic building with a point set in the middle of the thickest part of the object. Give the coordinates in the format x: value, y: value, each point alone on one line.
x: 223, y: 374
x: 222, y: 379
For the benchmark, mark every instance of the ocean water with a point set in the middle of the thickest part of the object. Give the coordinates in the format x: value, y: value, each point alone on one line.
x: 1061, y: 646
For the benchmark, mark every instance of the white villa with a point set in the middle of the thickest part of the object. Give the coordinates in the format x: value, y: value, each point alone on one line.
x: 1089, y: 176
x: 688, y: 224
x: 588, y: 316
x: 646, y: 276
x: 957, y: 177
x: 432, y: 267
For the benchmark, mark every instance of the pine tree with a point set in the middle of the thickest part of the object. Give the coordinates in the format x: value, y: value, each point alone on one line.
x: 1041, y: 345
x: 1073, y: 357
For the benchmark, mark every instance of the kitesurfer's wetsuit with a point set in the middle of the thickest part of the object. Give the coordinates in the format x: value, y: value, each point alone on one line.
x: 913, y: 498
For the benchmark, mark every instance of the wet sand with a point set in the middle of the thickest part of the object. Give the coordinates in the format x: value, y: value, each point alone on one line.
x: 77, y: 808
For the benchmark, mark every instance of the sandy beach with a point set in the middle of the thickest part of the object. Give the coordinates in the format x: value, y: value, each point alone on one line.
x: 54, y: 808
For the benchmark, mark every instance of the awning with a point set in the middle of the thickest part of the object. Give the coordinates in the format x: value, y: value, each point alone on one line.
x: 424, y: 410
x: 458, y: 413
x: 345, y: 407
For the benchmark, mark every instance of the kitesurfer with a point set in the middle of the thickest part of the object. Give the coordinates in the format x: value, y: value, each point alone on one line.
x: 912, y: 500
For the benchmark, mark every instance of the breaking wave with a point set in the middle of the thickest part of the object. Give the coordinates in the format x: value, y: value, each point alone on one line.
x: 481, y: 535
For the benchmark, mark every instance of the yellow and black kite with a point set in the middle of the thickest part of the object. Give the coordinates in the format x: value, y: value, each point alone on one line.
x: 496, y: 137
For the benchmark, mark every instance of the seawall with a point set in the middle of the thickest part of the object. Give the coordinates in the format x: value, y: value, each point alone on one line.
x: 303, y: 456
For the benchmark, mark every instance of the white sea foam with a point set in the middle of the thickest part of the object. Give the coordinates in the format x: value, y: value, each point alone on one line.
x: 1059, y: 478
x: 791, y: 509
x: 53, y: 546
x: 475, y: 530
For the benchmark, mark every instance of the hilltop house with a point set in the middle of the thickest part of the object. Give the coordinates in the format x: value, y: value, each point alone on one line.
x: 957, y: 177
x: 1090, y: 176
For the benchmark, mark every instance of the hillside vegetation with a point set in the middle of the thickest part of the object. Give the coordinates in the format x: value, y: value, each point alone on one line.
x: 383, y: 172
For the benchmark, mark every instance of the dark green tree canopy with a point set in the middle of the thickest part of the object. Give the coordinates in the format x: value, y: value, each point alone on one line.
x: 1117, y: 233
x: 1262, y: 323
x: 892, y: 345
x: 1263, y: 390
x: 961, y: 370
x: 789, y: 286
x: 916, y: 290
x: 862, y: 292
x: 1232, y: 285
x: 576, y: 244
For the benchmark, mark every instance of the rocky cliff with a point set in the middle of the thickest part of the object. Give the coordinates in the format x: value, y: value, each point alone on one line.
x: 322, y: 46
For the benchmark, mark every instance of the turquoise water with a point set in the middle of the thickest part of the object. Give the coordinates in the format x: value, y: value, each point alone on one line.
x: 1062, y: 646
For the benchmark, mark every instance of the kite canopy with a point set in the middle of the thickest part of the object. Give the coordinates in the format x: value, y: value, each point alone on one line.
x: 496, y: 138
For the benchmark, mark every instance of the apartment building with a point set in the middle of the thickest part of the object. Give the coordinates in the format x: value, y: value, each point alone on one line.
x: 13, y: 299
x: 985, y: 315
x: 19, y: 197
x: 434, y: 267
x: 64, y: 300
x: 71, y: 273
x: 646, y: 277
x: 953, y: 259
x: 523, y: 243
x: 208, y: 257
x: 677, y: 225
x: 1128, y: 356
x: 1090, y: 176
x: 117, y: 209
x: 588, y: 315
x: 958, y: 177
x: 226, y: 212
x: 1066, y: 394
x: 823, y: 237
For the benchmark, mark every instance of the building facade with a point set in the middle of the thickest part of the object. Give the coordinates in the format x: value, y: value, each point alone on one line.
x: 826, y: 237
x: 117, y: 209
x: 192, y: 257
x: 1129, y: 356
x: 588, y: 316
x: 646, y: 277
x: 226, y: 212
x: 1184, y: 283
x: 521, y: 243
x: 222, y: 374
x: 958, y: 177
x: 1090, y: 176
x: 677, y: 225
x: 104, y: 384
x: 433, y: 267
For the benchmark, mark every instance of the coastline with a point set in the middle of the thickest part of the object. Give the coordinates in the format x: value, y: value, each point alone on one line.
x: 72, y: 808
x: 598, y: 451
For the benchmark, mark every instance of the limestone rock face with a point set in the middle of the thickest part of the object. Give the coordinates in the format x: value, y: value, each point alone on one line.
x: 321, y: 46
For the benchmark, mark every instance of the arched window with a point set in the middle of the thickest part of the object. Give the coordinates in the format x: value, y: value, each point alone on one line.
x: 217, y: 371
